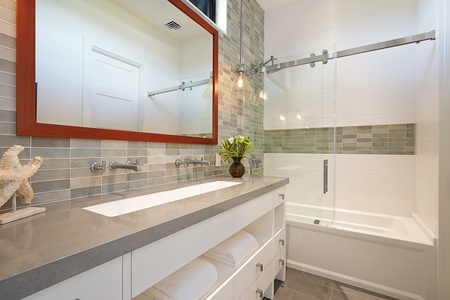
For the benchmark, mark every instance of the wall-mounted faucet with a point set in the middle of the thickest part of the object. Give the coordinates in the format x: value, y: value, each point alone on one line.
x: 186, y: 162
x: 114, y: 165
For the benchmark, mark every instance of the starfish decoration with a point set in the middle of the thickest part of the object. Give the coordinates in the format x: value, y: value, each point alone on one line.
x: 14, y: 176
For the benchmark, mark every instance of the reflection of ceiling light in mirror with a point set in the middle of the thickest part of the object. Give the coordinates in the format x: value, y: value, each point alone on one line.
x: 282, y: 118
x: 299, y: 117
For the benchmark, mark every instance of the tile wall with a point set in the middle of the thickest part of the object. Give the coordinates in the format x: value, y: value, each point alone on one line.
x: 65, y: 172
x: 397, y: 139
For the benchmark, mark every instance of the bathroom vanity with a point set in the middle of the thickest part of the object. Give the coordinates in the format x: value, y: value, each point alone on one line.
x: 120, y: 257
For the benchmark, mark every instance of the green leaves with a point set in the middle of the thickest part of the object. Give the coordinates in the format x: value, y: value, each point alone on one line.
x: 238, y: 146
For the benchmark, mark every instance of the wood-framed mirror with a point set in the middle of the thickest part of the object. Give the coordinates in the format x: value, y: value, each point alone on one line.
x: 174, y: 84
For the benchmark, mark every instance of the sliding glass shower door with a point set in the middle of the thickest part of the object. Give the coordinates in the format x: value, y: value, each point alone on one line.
x: 299, y: 132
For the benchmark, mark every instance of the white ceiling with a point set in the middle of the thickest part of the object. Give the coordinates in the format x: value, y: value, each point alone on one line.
x: 158, y: 13
x: 272, y: 4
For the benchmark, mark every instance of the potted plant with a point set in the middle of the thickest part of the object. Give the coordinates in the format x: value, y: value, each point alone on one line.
x: 234, y: 149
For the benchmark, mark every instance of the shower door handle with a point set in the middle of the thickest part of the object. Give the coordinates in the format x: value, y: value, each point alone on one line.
x: 325, y: 176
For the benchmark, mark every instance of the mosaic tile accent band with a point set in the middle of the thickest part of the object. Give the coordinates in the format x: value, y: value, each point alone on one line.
x: 398, y: 139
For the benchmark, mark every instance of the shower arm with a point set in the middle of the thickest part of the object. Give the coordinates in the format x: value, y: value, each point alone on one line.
x: 343, y: 53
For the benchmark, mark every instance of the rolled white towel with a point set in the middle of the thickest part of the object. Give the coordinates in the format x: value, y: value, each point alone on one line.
x: 234, y: 249
x: 190, y: 282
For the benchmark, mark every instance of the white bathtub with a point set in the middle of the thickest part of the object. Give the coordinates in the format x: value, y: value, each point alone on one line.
x: 386, y: 254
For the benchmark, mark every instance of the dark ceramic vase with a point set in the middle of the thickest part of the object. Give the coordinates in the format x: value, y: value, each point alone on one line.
x: 237, y: 169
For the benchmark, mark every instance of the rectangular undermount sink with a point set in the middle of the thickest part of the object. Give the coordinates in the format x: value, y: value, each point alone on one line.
x: 128, y: 205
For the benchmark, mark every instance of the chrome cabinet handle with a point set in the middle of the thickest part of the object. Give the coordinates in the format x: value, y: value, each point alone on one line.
x: 260, y: 293
x: 281, y: 242
x: 260, y: 267
x: 281, y: 261
x: 281, y: 196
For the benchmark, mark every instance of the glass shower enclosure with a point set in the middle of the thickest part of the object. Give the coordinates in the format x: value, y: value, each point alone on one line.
x: 300, y: 134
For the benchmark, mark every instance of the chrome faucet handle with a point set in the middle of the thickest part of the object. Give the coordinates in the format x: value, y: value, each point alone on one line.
x: 98, y: 168
x: 136, y: 163
x: 178, y: 162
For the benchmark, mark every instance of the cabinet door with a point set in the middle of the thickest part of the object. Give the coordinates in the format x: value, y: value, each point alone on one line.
x: 102, y: 282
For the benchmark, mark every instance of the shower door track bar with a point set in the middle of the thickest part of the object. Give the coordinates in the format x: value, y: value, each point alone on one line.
x: 184, y: 85
x: 417, y: 38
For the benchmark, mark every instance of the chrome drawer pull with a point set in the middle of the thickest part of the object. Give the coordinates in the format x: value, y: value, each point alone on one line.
x: 260, y: 293
x: 281, y: 262
x: 260, y: 267
x: 281, y: 196
x: 281, y: 242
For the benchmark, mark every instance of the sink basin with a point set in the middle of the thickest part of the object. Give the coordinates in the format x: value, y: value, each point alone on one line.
x: 128, y: 205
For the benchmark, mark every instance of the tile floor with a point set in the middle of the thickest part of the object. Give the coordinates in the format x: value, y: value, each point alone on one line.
x: 304, y: 286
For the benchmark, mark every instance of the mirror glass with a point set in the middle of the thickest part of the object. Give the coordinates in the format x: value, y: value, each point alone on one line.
x: 124, y: 67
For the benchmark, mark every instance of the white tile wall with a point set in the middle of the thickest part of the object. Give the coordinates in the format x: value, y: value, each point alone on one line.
x: 371, y: 183
x: 376, y: 183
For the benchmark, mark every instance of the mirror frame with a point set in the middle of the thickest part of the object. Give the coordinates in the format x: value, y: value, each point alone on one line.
x: 26, y: 124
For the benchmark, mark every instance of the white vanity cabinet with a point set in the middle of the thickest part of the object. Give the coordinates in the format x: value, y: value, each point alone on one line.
x: 127, y: 277
x: 263, y: 217
x: 101, y: 282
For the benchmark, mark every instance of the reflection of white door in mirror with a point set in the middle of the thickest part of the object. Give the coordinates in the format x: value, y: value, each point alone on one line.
x: 110, y: 90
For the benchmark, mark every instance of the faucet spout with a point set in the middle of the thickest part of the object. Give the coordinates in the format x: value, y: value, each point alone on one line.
x: 186, y: 162
x: 114, y: 165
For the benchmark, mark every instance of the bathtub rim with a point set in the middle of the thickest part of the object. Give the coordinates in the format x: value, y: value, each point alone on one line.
x: 404, y: 242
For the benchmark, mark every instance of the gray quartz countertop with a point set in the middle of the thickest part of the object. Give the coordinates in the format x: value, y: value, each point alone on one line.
x: 66, y: 240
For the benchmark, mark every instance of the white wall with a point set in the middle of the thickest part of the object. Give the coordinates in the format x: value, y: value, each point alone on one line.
x: 372, y: 88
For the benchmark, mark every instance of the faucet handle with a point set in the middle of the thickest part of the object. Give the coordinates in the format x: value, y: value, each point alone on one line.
x: 98, y: 168
x: 136, y: 163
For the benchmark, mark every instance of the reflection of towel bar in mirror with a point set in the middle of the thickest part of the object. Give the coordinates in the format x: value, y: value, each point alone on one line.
x: 184, y: 85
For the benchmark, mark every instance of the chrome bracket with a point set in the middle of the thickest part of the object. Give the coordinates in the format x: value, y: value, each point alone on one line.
x: 313, y: 64
x: 325, y: 55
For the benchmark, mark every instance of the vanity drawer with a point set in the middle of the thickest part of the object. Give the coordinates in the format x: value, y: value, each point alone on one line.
x: 250, y: 211
x: 157, y: 260
x: 224, y: 293
x: 266, y: 277
x: 279, y: 262
x: 279, y: 195
x: 279, y: 241
x: 252, y: 269
x: 102, y: 282
x: 251, y: 293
